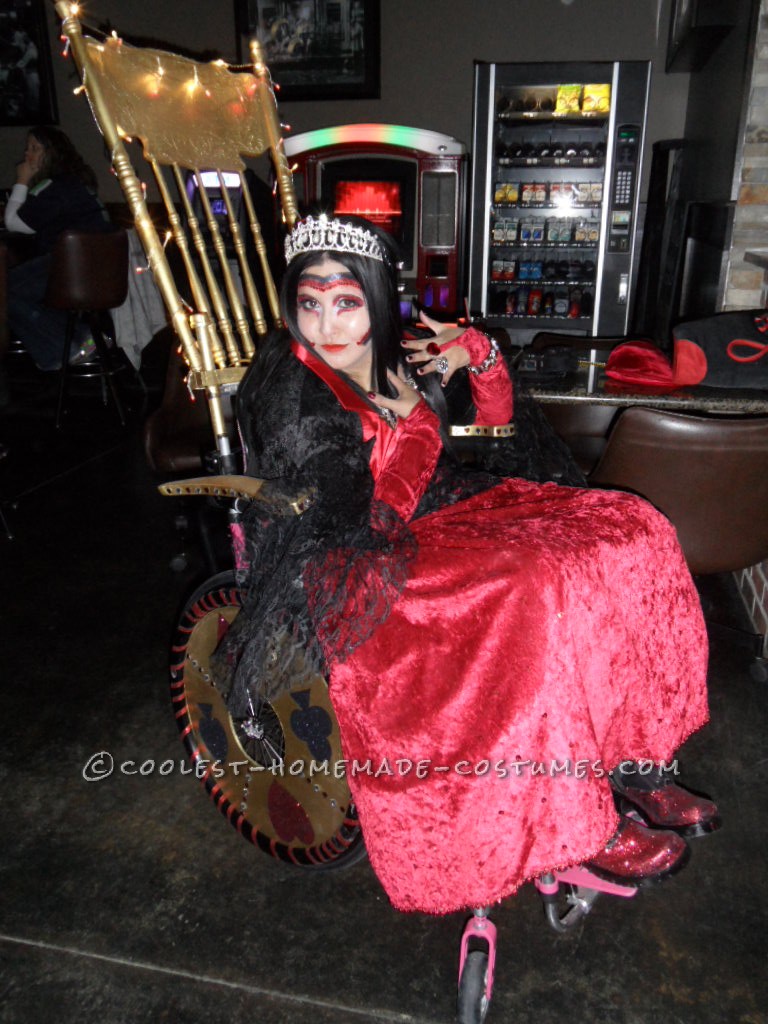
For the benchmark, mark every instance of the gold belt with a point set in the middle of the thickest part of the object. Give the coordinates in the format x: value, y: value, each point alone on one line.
x: 473, y: 430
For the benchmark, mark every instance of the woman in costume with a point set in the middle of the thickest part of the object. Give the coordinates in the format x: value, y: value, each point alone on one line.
x: 495, y: 646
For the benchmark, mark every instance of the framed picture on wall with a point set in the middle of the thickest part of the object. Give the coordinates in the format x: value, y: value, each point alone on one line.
x: 315, y: 49
x: 26, y: 77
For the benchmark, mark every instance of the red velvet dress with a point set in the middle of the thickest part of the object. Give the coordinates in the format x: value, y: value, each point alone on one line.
x: 545, y: 635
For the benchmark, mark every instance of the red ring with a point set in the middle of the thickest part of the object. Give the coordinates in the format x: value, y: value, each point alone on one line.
x: 433, y: 348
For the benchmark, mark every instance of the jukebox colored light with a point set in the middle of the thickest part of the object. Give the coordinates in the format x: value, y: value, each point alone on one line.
x: 395, y: 135
x: 389, y: 134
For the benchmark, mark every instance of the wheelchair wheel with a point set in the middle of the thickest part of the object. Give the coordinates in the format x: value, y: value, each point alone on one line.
x: 271, y: 774
x: 473, y: 1002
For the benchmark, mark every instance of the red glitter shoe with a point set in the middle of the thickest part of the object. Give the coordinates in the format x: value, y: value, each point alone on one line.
x: 635, y: 855
x: 661, y: 803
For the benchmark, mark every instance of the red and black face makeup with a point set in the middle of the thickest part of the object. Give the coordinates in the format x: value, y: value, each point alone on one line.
x: 337, y: 294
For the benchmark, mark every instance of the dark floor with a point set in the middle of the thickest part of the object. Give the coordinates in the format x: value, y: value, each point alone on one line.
x: 131, y: 899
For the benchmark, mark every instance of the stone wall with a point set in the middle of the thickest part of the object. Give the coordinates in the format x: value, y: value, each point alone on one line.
x: 745, y: 287
x: 747, y: 283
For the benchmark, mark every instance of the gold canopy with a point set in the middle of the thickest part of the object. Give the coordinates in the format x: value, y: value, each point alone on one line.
x: 194, y: 115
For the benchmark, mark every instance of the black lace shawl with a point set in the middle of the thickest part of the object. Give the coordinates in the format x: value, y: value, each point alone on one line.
x: 319, y: 583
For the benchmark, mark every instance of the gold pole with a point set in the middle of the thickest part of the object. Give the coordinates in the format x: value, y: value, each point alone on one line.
x: 261, y: 249
x: 213, y: 392
x: 282, y: 170
x: 259, y: 323
x: 129, y: 182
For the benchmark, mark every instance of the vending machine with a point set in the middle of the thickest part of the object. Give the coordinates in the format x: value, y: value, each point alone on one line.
x: 557, y: 157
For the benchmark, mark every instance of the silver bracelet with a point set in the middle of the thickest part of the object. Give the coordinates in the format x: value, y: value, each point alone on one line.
x: 489, y: 361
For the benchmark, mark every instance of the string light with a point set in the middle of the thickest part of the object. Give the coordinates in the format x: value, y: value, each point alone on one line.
x: 193, y: 84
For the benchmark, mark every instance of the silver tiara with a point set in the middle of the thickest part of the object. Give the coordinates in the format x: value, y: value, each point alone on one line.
x: 322, y: 233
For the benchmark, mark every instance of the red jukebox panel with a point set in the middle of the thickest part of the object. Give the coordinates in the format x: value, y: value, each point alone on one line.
x: 410, y: 181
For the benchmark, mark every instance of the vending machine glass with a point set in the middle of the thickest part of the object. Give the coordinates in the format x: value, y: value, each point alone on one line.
x: 557, y: 155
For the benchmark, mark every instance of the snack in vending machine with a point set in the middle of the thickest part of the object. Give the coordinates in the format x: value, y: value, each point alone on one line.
x: 596, y: 98
x: 561, y: 302
x: 568, y: 99
x: 534, y: 302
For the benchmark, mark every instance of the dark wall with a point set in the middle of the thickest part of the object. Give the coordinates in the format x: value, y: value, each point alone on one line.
x: 714, y: 123
x: 428, y: 49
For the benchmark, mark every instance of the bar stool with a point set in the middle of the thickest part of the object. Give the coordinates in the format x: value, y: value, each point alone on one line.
x: 88, y: 277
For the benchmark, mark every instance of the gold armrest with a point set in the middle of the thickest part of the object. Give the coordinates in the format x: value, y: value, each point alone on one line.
x: 229, y: 486
x: 233, y: 486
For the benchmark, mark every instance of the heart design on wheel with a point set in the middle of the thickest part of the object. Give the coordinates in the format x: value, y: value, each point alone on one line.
x: 288, y: 817
x: 313, y: 725
x: 212, y: 733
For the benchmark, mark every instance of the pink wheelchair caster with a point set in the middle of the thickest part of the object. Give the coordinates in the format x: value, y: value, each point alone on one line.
x: 477, y: 960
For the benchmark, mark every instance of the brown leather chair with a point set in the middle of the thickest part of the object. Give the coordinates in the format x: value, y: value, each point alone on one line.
x: 709, y: 475
x: 178, y: 434
x: 88, y: 277
x: 178, y: 440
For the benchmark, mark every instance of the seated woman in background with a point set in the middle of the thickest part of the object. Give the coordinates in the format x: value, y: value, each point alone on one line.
x: 512, y: 641
x: 54, y: 191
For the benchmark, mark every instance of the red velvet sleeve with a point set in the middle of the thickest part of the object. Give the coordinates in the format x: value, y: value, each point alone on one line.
x: 492, y: 389
x: 405, y: 469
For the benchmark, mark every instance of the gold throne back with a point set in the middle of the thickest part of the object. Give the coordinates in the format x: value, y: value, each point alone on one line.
x: 192, y: 119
